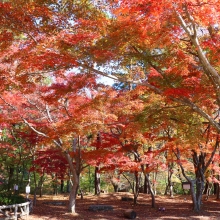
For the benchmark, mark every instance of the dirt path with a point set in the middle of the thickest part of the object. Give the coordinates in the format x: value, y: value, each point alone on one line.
x: 180, y: 207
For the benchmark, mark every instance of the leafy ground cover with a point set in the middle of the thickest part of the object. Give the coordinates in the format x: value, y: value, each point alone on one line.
x: 180, y: 207
x: 9, y: 198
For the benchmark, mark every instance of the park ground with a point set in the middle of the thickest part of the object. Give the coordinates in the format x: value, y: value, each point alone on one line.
x: 179, y: 207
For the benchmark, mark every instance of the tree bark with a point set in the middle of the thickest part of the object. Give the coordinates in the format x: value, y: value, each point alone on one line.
x: 146, y: 186
x: 153, y: 204
x: 97, y: 181
x: 170, y: 184
x: 200, y: 167
x: 147, y: 179
x: 136, y: 187
x: 68, y: 186
x: 217, y: 192
x: 10, y: 177
x: 197, y: 195
x: 73, y: 193
x: 62, y: 186
x: 115, y: 186
x: 97, y: 168
x: 75, y: 171
x: 206, y: 188
x: 215, y: 188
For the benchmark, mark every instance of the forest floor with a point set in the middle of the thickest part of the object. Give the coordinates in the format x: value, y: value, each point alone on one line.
x: 179, y: 207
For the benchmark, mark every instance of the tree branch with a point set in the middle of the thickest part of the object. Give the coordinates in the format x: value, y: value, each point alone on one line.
x: 209, y: 70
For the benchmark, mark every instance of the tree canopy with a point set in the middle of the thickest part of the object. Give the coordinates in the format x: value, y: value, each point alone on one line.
x: 163, y: 55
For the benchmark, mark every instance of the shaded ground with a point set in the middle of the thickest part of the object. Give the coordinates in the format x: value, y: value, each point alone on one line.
x: 180, y: 207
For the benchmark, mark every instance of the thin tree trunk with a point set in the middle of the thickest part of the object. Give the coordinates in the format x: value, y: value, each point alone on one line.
x: 154, y: 182
x: 115, y: 186
x: 115, y: 182
x: 73, y: 193
x: 206, y: 188
x: 35, y: 190
x: 136, y: 187
x: 40, y: 185
x: 153, y: 203
x: 200, y: 169
x: 215, y: 185
x: 97, y: 168
x: 169, y: 186
x: 62, y: 186
x: 90, y: 179
x: 218, y: 187
x: 75, y: 170
x: 171, y: 190
x: 97, y: 181
x: 68, y: 186
x: 146, y: 186
x: 10, y: 177
x: 217, y: 192
x: 166, y: 189
x: 75, y: 183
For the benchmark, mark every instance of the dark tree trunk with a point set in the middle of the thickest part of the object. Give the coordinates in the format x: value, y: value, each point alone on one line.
x: 68, y: 186
x: 209, y: 189
x: 40, y: 185
x: 62, y: 186
x: 166, y: 189
x: 197, y: 186
x: 55, y: 185
x: 22, y: 175
x: 200, y: 167
x: 215, y: 188
x: 97, y: 181
x: 10, y: 177
x: 136, y: 188
x: 206, y: 188
x: 146, y: 186
x: 97, y: 170
x: 197, y: 193
x: 90, y: 179
x: 115, y: 186
x: 217, y: 192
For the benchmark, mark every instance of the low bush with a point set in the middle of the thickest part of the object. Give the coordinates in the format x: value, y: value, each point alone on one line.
x: 7, y: 198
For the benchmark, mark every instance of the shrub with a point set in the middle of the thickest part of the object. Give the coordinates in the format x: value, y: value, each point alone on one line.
x: 7, y: 198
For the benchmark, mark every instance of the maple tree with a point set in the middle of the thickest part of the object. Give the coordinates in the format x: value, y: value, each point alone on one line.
x: 57, y: 121
x: 52, y: 162
x: 119, y: 146
x: 165, y: 48
x: 187, y: 140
